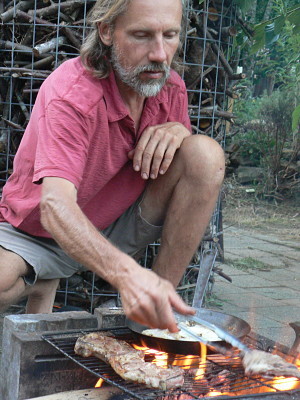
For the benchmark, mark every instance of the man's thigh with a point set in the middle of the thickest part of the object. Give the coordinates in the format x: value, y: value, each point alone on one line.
x: 131, y: 232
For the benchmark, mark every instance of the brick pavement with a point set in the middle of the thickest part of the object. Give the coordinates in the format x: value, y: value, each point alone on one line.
x: 267, y: 299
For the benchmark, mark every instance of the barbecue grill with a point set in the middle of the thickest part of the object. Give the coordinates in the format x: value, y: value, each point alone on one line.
x: 218, y: 375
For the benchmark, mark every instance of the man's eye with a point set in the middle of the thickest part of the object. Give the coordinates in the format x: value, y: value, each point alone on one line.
x: 140, y: 35
x: 171, y: 35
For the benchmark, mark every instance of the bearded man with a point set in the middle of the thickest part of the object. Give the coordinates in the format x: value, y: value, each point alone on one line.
x: 108, y: 165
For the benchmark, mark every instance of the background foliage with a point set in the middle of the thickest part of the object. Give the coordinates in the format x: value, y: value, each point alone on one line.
x: 267, y: 130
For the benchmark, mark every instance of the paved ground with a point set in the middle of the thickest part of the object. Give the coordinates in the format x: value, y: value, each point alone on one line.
x: 267, y: 296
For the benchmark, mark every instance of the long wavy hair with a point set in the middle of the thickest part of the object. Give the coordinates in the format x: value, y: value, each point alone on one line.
x: 95, y: 55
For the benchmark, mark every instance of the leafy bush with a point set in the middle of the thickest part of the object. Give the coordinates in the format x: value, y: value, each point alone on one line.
x: 265, y: 136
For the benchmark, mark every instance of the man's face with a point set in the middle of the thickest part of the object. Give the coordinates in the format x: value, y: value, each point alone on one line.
x: 144, y: 41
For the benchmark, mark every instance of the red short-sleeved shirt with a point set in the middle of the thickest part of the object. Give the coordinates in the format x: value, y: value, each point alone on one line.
x: 80, y: 130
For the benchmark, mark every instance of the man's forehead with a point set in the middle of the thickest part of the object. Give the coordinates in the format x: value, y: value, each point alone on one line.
x: 142, y: 11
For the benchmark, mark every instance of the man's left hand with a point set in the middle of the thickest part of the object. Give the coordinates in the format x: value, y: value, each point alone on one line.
x: 156, y: 148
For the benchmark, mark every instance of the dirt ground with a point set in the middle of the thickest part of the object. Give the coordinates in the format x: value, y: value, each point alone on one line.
x: 242, y: 208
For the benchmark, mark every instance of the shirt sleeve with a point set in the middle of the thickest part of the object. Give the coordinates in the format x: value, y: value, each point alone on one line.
x: 63, y: 140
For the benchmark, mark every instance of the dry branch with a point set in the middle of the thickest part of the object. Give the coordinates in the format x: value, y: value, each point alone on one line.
x: 22, y: 6
x: 64, y: 7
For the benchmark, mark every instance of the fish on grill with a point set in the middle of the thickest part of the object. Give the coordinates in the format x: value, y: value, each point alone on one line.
x: 257, y: 362
x: 128, y: 362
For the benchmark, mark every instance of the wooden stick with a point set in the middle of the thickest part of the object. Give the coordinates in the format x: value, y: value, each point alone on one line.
x: 232, y: 94
x: 6, y: 44
x: 39, y: 21
x: 210, y: 112
x: 49, y: 46
x: 227, y: 31
x: 40, y: 63
x: 13, y: 124
x: 22, y: 106
x: 218, y: 52
x: 26, y: 72
x: 67, y: 6
x: 22, y: 5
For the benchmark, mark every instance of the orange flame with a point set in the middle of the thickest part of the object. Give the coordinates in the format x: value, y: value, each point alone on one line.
x: 186, y: 362
x: 99, y: 383
x: 214, y: 393
x: 161, y: 359
x: 281, y: 383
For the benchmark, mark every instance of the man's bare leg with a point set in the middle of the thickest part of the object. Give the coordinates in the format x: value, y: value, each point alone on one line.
x: 184, y: 198
x: 41, y: 296
x: 13, y: 288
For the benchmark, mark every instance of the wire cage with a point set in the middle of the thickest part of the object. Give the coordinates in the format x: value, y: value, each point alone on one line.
x: 38, y: 35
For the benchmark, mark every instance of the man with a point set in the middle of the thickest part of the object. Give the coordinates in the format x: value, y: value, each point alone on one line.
x: 108, y: 148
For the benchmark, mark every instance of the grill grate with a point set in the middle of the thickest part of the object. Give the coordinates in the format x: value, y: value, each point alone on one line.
x: 221, y: 374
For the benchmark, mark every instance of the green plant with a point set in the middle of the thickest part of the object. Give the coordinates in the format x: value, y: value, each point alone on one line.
x: 248, y: 263
x: 266, y: 134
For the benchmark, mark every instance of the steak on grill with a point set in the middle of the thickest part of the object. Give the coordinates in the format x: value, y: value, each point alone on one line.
x: 128, y: 362
x: 258, y: 362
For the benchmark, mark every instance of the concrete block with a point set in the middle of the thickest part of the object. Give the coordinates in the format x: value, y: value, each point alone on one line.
x: 110, y: 317
x: 30, y: 366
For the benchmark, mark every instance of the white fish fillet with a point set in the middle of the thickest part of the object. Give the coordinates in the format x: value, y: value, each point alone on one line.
x: 197, y: 329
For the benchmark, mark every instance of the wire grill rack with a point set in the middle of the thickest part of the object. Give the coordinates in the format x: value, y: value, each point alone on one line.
x: 221, y: 375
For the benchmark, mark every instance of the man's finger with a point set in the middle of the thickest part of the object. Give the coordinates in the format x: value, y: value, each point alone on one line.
x: 140, y: 148
x: 157, y: 159
x: 163, y: 163
x: 180, y: 306
x: 166, y: 318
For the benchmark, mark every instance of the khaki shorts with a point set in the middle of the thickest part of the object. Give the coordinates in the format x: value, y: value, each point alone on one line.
x: 131, y: 233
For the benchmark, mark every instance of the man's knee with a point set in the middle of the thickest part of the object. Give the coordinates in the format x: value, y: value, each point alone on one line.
x: 203, y: 159
x: 12, y: 267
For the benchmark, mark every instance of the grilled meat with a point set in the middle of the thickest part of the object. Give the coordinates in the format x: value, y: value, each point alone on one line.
x: 128, y: 362
x: 258, y: 362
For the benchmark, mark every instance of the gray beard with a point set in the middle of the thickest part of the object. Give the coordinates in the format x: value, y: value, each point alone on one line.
x: 130, y: 76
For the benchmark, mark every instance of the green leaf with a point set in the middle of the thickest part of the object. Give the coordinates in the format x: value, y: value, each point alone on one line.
x: 270, y: 35
x: 294, y: 19
x: 259, y: 37
x: 279, y: 23
x: 244, y: 5
x: 296, y: 118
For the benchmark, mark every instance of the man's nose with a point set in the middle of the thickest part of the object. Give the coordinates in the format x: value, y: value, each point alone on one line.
x: 157, y: 52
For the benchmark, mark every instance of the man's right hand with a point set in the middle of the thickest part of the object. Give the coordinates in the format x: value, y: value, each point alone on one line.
x: 149, y: 299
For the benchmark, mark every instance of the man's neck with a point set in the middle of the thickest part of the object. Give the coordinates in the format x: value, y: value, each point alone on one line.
x: 133, y: 101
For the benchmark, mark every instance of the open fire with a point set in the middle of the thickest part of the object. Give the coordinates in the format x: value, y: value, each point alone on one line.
x: 212, y: 375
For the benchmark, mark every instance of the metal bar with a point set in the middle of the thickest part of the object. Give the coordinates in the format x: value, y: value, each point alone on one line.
x: 206, y: 265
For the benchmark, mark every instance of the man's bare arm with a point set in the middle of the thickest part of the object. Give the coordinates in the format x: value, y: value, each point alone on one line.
x: 146, y: 297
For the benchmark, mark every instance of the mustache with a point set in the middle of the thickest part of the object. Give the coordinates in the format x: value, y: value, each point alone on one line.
x: 153, y: 67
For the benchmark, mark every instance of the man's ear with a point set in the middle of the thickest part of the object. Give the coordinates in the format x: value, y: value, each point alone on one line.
x: 105, y: 33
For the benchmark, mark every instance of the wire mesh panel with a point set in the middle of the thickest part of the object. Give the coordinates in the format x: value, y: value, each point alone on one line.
x: 38, y: 35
